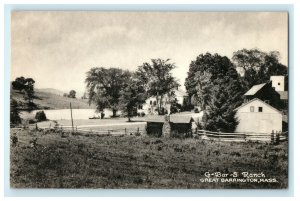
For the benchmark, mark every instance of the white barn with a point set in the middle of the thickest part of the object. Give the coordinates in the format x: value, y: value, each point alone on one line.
x: 257, y: 116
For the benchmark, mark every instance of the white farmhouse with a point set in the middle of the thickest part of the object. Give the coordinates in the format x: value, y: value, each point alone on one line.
x: 150, y: 105
x: 256, y: 116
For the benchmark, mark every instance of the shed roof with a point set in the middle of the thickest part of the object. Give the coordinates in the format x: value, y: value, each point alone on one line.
x: 181, y: 118
x: 254, y: 89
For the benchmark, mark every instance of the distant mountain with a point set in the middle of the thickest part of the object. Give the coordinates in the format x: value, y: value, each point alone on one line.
x: 51, y: 91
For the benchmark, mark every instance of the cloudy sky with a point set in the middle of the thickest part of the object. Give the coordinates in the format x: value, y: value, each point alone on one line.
x: 56, y: 49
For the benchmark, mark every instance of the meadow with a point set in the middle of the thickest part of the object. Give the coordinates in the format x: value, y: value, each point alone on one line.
x: 45, y: 100
x: 51, y: 160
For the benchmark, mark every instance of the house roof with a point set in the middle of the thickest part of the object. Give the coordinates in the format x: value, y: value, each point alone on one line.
x: 283, y: 95
x: 257, y: 99
x: 176, y: 118
x: 254, y: 89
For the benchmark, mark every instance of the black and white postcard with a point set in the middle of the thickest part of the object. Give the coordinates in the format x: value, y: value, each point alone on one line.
x: 149, y: 100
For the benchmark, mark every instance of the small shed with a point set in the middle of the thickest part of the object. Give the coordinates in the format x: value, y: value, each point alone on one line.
x: 182, y: 125
x: 257, y: 116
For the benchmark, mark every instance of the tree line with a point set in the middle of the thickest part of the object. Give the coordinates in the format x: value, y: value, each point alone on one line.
x: 214, y: 82
x: 123, y: 90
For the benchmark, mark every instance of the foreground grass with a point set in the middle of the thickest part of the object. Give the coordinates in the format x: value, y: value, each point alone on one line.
x: 139, y: 162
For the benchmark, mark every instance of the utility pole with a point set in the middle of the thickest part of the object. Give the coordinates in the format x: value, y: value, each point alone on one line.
x: 72, y: 118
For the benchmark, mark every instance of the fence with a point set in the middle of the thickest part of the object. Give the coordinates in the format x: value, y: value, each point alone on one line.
x: 242, y: 137
x: 90, y: 131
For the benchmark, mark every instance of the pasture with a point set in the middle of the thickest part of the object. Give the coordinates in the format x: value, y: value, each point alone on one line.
x: 129, y: 161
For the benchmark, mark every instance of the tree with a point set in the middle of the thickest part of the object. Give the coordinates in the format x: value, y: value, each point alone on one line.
x: 29, y: 90
x: 225, y: 97
x: 132, y: 95
x: 72, y: 94
x: 104, y: 87
x: 19, y: 83
x: 214, y: 85
x: 157, y: 79
x: 25, y: 85
x: 14, y: 112
x: 256, y: 66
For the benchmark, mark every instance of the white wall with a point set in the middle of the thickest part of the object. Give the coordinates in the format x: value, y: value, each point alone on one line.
x: 258, y: 122
x: 278, y: 82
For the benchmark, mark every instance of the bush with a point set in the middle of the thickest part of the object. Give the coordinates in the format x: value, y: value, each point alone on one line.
x: 14, y: 113
x: 32, y: 121
x: 40, y: 116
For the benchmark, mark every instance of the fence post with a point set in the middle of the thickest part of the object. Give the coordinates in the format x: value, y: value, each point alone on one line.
x: 277, y: 137
x: 272, y: 137
x: 125, y: 131
x: 138, y: 130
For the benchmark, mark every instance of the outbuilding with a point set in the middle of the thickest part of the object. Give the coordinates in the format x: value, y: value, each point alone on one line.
x: 180, y: 125
x: 256, y: 116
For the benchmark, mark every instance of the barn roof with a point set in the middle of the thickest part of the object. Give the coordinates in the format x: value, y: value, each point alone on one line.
x: 254, y: 89
x: 257, y: 99
x: 181, y: 118
x: 283, y: 95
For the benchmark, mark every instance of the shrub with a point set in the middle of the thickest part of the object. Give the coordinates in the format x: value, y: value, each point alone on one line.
x: 40, y: 116
x: 32, y: 121
x: 14, y: 112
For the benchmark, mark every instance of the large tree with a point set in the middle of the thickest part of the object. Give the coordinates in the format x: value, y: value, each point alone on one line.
x: 215, y: 86
x: 104, y: 87
x: 256, y: 66
x: 19, y: 83
x: 132, y: 95
x: 157, y: 79
x: 25, y: 85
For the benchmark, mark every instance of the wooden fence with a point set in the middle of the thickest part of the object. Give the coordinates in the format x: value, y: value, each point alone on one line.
x: 89, y: 131
x: 274, y: 137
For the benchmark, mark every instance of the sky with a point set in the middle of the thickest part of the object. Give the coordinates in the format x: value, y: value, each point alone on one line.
x: 57, y: 48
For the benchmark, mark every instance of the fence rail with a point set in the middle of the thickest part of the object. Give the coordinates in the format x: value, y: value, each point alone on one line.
x: 114, y: 132
x: 235, y: 137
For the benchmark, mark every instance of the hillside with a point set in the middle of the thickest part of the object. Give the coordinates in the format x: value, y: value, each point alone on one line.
x: 51, y: 91
x: 46, y: 100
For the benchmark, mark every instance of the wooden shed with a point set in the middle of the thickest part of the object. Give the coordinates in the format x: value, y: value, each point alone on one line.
x: 181, y: 125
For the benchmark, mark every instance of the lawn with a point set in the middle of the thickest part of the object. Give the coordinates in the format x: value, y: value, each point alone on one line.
x: 97, y: 124
x: 130, y: 161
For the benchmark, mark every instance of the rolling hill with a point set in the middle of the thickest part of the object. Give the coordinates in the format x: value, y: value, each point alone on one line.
x: 50, y: 99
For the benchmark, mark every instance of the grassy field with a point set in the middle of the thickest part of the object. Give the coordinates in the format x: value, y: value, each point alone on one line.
x: 45, y: 100
x: 97, y: 124
x: 131, y: 161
